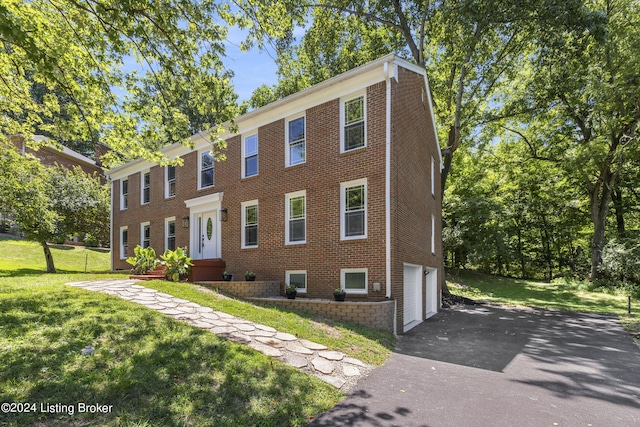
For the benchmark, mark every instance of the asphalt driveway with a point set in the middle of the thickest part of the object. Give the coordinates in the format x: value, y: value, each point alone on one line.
x: 493, y: 366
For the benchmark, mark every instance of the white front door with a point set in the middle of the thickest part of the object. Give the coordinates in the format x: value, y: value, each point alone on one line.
x: 205, y: 231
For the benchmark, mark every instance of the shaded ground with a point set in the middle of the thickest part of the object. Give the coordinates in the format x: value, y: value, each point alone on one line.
x: 492, y: 366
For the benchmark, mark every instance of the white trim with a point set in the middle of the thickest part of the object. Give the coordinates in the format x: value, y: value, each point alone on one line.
x: 287, y: 207
x: 343, y: 189
x: 122, y: 180
x: 122, y: 254
x: 142, y: 226
x: 343, y: 273
x: 112, y: 198
x: 414, y: 310
x: 199, y: 205
x: 287, y: 278
x: 213, y: 162
x: 287, y: 150
x: 243, y: 215
x: 360, y: 94
x: 433, y: 234
x: 243, y: 156
x: 433, y: 176
x: 387, y: 184
x: 166, y: 181
x: 166, y: 230
x: 142, y: 174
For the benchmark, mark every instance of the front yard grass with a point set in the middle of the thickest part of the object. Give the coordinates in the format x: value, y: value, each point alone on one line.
x: 152, y: 369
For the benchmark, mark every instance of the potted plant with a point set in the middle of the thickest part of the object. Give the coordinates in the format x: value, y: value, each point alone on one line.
x: 177, y: 264
x: 249, y: 276
x: 291, y: 291
x: 143, y: 261
x: 339, y: 294
x: 226, y: 276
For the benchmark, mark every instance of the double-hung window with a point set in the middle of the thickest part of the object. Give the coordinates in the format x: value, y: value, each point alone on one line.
x: 170, y: 233
x: 353, y: 209
x: 145, y: 235
x: 124, y: 242
x: 171, y: 181
x: 296, y: 217
x: 124, y: 194
x: 250, y: 224
x: 206, y: 170
x: 250, y: 156
x: 296, y: 151
x: 146, y: 188
x: 353, y: 124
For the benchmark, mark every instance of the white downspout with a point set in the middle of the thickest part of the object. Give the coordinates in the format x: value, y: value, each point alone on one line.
x: 387, y: 183
x: 113, y: 251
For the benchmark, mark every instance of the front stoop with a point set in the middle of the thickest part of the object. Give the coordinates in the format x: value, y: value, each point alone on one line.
x: 207, y: 270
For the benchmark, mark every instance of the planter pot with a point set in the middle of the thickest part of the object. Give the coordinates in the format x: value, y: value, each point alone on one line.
x: 250, y: 279
x: 227, y: 277
x: 339, y: 297
x: 291, y: 295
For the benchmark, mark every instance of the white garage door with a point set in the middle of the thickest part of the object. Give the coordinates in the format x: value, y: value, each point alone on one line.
x: 412, y: 296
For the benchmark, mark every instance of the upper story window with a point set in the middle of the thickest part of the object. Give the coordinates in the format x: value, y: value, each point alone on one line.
x: 296, y: 150
x: 124, y: 194
x: 352, y: 116
x: 170, y: 233
x: 353, y: 208
x: 145, y: 235
x: 296, y: 217
x: 433, y: 176
x: 250, y: 156
x: 146, y: 188
x: 170, y: 185
x: 250, y: 224
x: 206, y: 170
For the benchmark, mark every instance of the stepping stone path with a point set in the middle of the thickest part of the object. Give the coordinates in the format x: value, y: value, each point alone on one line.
x: 332, y: 367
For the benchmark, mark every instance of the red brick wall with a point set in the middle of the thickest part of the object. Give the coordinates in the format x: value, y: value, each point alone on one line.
x: 324, y: 254
x: 412, y: 204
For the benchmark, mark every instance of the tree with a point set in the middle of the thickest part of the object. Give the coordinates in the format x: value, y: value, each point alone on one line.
x: 133, y: 75
x: 50, y: 202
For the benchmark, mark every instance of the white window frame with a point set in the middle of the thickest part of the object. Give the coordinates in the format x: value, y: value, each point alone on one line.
x: 287, y: 150
x: 124, y: 201
x: 167, y: 221
x: 245, y: 157
x: 343, y: 273
x: 244, y: 206
x: 343, y: 206
x: 200, y: 154
x: 142, y: 226
x: 433, y: 234
x: 167, y: 183
x: 343, y: 119
x: 287, y: 208
x: 123, y: 251
x: 142, y: 187
x: 433, y: 176
x: 287, y: 278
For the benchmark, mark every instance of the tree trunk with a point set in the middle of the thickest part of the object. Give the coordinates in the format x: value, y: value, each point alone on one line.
x: 618, y: 205
x: 600, y: 196
x: 47, y: 254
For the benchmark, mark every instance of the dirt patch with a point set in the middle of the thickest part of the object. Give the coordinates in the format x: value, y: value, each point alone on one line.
x: 449, y: 300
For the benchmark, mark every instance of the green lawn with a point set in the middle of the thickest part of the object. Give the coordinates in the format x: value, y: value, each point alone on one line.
x: 151, y: 369
x: 558, y: 295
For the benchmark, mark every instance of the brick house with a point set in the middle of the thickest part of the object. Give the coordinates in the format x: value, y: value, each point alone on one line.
x: 337, y: 186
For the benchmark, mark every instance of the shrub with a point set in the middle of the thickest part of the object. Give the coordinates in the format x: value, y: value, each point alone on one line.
x: 144, y: 259
x: 177, y: 263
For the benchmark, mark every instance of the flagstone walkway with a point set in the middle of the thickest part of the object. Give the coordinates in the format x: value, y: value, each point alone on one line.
x: 332, y: 367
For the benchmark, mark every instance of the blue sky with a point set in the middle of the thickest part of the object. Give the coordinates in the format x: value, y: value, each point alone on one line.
x: 251, y: 69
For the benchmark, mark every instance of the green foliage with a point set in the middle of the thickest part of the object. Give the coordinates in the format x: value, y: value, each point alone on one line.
x: 144, y: 260
x: 136, y: 76
x: 621, y: 263
x: 177, y: 263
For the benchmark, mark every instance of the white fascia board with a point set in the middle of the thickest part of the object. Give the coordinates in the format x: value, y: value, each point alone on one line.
x: 351, y: 81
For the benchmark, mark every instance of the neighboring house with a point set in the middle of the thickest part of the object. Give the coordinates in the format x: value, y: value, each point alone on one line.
x: 50, y: 155
x: 337, y: 186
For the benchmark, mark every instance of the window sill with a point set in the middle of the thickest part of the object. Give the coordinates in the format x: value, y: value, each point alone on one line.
x: 353, y: 150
